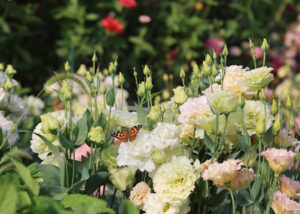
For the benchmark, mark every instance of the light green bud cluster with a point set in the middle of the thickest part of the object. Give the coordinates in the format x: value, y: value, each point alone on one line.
x: 96, y: 135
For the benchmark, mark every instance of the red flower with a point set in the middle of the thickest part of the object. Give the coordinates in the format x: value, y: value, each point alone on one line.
x: 128, y: 3
x: 112, y: 25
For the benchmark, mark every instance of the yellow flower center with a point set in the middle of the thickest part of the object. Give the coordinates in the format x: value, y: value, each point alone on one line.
x: 179, y: 180
x: 166, y: 207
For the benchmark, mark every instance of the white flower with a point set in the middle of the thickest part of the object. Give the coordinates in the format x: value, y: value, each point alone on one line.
x: 6, y: 126
x: 34, y: 104
x: 155, y: 206
x: 38, y: 145
x: 50, y: 160
x: 168, y: 134
x: 138, y: 154
x: 258, y: 78
x: 124, y: 118
x: 215, y: 88
x: 173, y: 182
x: 3, y: 78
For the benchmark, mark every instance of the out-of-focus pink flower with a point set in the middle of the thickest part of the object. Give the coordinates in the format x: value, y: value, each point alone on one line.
x: 258, y: 52
x: 235, y: 51
x: 83, y: 150
x: 173, y: 54
x: 298, y: 18
x: 281, y: 204
x: 297, y: 164
x: 144, y: 19
x: 128, y: 3
x: 269, y: 93
x: 279, y: 159
x: 112, y: 25
x: 214, y: 44
x: 277, y: 63
x: 98, y: 193
x: 290, y: 187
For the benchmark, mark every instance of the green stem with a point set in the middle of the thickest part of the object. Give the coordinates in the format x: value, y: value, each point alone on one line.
x: 264, y: 61
x: 232, y: 199
x: 96, y: 107
x: 108, y: 123
x: 272, y: 194
x: 217, y: 128
x: 223, y: 134
x: 73, y: 169
x: 121, y: 96
x: 113, y: 197
x: 259, y: 154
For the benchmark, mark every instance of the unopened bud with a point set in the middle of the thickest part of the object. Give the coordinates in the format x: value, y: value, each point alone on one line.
x: 67, y: 66
x: 251, y: 45
x: 288, y: 103
x: 82, y: 70
x: 159, y: 156
x: 89, y: 76
x: 265, y: 45
x: 121, y: 79
x: 292, y: 123
x: 141, y: 89
x: 195, y: 69
x: 94, y: 58
x: 261, y: 125
x: 206, y: 69
x: 8, y: 85
x: 166, y: 94
x: 215, y: 71
x: 262, y: 95
x: 154, y: 113
x: 146, y: 70
x: 179, y: 95
x: 241, y: 101
x: 10, y: 71
x: 149, y: 84
x: 277, y: 125
x: 225, y: 51
x: 105, y: 72
x: 135, y: 74
x: 274, y: 109
x: 66, y: 90
x: 102, y: 89
x: 1, y: 67
x: 208, y: 59
x: 112, y: 68
x: 215, y: 56
x: 165, y: 77
x: 182, y: 73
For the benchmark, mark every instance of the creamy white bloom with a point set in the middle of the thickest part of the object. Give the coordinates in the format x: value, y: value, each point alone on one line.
x: 50, y: 160
x: 155, y: 206
x: 34, y: 104
x: 6, y: 126
x: 3, y: 78
x: 124, y: 118
x: 258, y: 78
x: 138, y: 153
x: 38, y: 145
x: 173, y: 182
x: 215, y: 88
x: 168, y: 135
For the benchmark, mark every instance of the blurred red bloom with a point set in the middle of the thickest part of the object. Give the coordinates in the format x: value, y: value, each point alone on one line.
x: 128, y: 3
x: 215, y: 44
x: 112, y: 25
x: 258, y: 52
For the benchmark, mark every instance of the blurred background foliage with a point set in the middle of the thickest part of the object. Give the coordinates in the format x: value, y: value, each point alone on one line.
x: 38, y: 36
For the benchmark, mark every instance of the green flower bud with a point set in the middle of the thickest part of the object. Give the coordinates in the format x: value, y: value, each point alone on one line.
x: 225, y: 51
x: 279, y: 105
x: 112, y: 68
x: 82, y: 70
x: 292, y: 123
x: 50, y: 137
x: 208, y: 59
x: 122, y: 178
x: 157, y: 100
x: 8, y: 85
x: 109, y: 157
x: 66, y: 90
x: 195, y: 69
x: 288, y: 103
x: 159, y: 156
x: 277, y: 125
x: 121, y: 79
x: 179, y: 95
x: 67, y: 66
x: 146, y: 70
x: 241, y: 101
x: 163, y: 109
x: 265, y: 45
x: 105, y: 72
x: 96, y: 135
x: 102, y: 89
x: 49, y: 123
x: 215, y: 71
x: 274, y: 109
x: 94, y: 58
x: 135, y: 74
x: 10, y: 71
x: 165, y: 94
x: 1, y: 67
x: 251, y: 45
x: 89, y: 77
x: 141, y: 89
x: 262, y: 95
x: 261, y: 125
x: 165, y: 77
x: 215, y: 56
x: 149, y: 84
x: 206, y: 69
x: 182, y: 73
x: 154, y: 113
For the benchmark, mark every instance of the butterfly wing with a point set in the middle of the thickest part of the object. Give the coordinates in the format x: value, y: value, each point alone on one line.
x: 133, y: 132
x: 121, y: 135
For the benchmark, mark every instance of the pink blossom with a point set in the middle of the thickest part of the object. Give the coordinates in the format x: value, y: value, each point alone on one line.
x: 173, y: 54
x: 269, y: 93
x: 128, y: 3
x: 235, y: 51
x: 83, y: 150
x: 290, y: 187
x: 277, y: 63
x: 144, y: 19
x: 215, y: 44
x: 281, y: 204
x: 258, y: 52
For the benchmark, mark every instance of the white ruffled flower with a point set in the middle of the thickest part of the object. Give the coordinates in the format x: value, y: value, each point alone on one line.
x: 173, y: 182
x: 124, y: 118
x: 38, y: 145
x: 168, y: 135
x: 34, y: 104
x: 155, y: 206
x: 138, y: 154
x: 6, y: 126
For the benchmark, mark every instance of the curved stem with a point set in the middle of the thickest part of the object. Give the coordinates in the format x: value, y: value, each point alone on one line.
x: 232, y: 199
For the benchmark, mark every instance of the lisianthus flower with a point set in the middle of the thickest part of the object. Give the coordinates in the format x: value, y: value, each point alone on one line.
x: 279, y: 159
x: 281, y: 204
x: 290, y: 187
x: 222, y: 172
x: 258, y: 78
x: 241, y: 179
x: 124, y: 118
x: 34, y: 104
x: 83, y: 150
x: 258, y: 52
x: 128, y: 3
x: 155, y: 205
x: 168, y: 135
x: 173, y: 182
x: 6, y: 126
x: 215, y: 44
x: 144, y: 19
x: 223, y: 102
x: 112, y: 25
x: 139, y: 194
x: 235, y: 51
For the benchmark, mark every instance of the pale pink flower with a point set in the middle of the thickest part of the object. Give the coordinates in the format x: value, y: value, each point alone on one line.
x: 139, y: 194
x: 215, y: 44
x: 83, y: 150
x: 290, y: 187
x: 279, y: 159
x: 144, y: 19
x: 222, y: 172
x: 258, y: 52
x: 235, y: 51
x: 99, y: 192
x: 269, y: 93
x: 281, y: 204
x: 241, y: 179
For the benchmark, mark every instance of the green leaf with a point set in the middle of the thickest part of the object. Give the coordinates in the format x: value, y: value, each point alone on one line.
x: 203, y: 188
x: 108, y: 142
x: 44, y: 204
x: 142, y: 118
x: 255, y: 190
x: 32, y: 184
x: 110, y: 97
x: 297, y: 156
x: 243, y: 198
x: 101, y: 121
x: 23, y: 200
x: 95, y: 181
x: 208, y: 142
x: 268, y: 137
x: 127, y: 207
x: 64, y: 142
x: 8, y: 199
x: 84, y: 176
x: 244, y: 142
x: 82, y: 128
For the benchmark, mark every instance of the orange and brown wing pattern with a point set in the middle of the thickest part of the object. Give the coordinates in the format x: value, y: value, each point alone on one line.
x: 121, y: 135
x: 133, y: 132
x: 129, y: 134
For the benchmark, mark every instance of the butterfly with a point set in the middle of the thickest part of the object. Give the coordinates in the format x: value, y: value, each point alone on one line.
x: 127, y: 135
